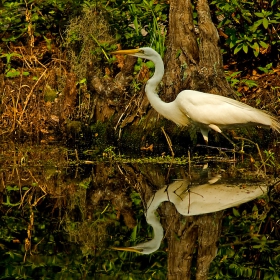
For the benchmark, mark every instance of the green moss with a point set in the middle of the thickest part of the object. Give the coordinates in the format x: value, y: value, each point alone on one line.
x: 103, y: 134
x: 74, y: 127
x: 49, y: 94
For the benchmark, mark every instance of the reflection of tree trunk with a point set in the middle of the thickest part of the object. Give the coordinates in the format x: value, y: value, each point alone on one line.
x: 181, y: 234
x: 209, y: 230
x: 198, y: 66
x: 184, y: 234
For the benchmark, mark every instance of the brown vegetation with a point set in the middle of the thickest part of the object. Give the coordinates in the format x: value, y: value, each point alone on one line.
x: 49, y: 99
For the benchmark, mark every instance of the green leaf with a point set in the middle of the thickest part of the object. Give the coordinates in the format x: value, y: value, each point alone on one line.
x: 82, y: 81
x: 264, y: 44
x: 136, y: 25
x: 261, y: 15
x: 245, y: 48
x: 256, y: 49
x: 12, y: 188
x: 150, y: 64
x: 265, y: 23
x: 256, y: 24
x: 232, y: 44
x: 178, y: 53
x: 237, y: 49
x: 249, y: 272
x: 235, y: 212
x: 12, y: 73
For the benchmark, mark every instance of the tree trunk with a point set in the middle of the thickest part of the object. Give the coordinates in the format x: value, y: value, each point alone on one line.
x: 181, y: 58
x: 211, y: 76
x: 189, y: 64
x: 197, y: 66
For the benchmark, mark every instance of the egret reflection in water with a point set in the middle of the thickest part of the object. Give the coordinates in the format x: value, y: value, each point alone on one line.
x: 195, y: 200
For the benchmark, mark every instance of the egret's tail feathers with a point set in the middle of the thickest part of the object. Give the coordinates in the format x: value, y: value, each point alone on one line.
x: 275, y: 124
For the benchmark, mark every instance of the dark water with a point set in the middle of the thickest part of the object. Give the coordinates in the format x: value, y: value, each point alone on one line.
x: 62, y: 211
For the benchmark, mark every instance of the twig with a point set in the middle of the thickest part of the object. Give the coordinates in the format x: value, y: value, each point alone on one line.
x: 213, y: 147
x: 29, y: 95
x: 127, y: 106
x: 259, y: 151
x: 189, y: 160
x: 168, y: 141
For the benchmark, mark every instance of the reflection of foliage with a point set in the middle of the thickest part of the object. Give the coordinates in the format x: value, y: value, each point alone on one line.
x: 73, y: 215
x: 50, y: 229
x: 250, y: 244
x: 87, y: 227
x: 53, y: 256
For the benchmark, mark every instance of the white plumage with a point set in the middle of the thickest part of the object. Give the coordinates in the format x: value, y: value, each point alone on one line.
x: 197, y: 200
x: 205, y: 110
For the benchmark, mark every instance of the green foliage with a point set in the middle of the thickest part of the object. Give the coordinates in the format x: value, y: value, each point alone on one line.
x: 235, y: 81
x: 249, y: 25
x: 88, y: 42
x: 249, y: 246
x: 139, y: 24
x: 10, y: 72
x: 269, y: 159
x: 267, y: 69
x: 21, y: 18
x: 66, y: 245
x: 109, y: 152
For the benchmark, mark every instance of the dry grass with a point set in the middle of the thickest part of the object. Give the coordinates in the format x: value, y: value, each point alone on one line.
x: 24, y: 106
x: 39, y: 104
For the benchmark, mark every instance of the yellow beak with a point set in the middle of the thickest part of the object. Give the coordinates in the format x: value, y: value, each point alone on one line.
x: 127, y: 249
x: 133, y: 51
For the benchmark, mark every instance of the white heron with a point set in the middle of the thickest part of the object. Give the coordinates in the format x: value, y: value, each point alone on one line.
x: 206, y: 111
x: 197, y: 200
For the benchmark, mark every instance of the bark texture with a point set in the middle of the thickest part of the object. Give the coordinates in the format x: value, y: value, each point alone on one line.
x: 181, y: 58
x: 109, y: 90
x: 193, y: 61
x: 210, y: 72
x: 190, y: 238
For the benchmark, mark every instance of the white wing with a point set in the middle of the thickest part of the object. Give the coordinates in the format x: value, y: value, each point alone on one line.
x: 206, y: 109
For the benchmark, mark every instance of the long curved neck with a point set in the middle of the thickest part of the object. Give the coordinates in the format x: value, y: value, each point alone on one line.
x: 151, y: 86
x: 157, y: 77
x: 153, y: 220
x: 153, y: 245
x: 169, y: 110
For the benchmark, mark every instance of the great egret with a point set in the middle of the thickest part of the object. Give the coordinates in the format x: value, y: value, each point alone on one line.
x: 197, y: 200
x: 205, y: 110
